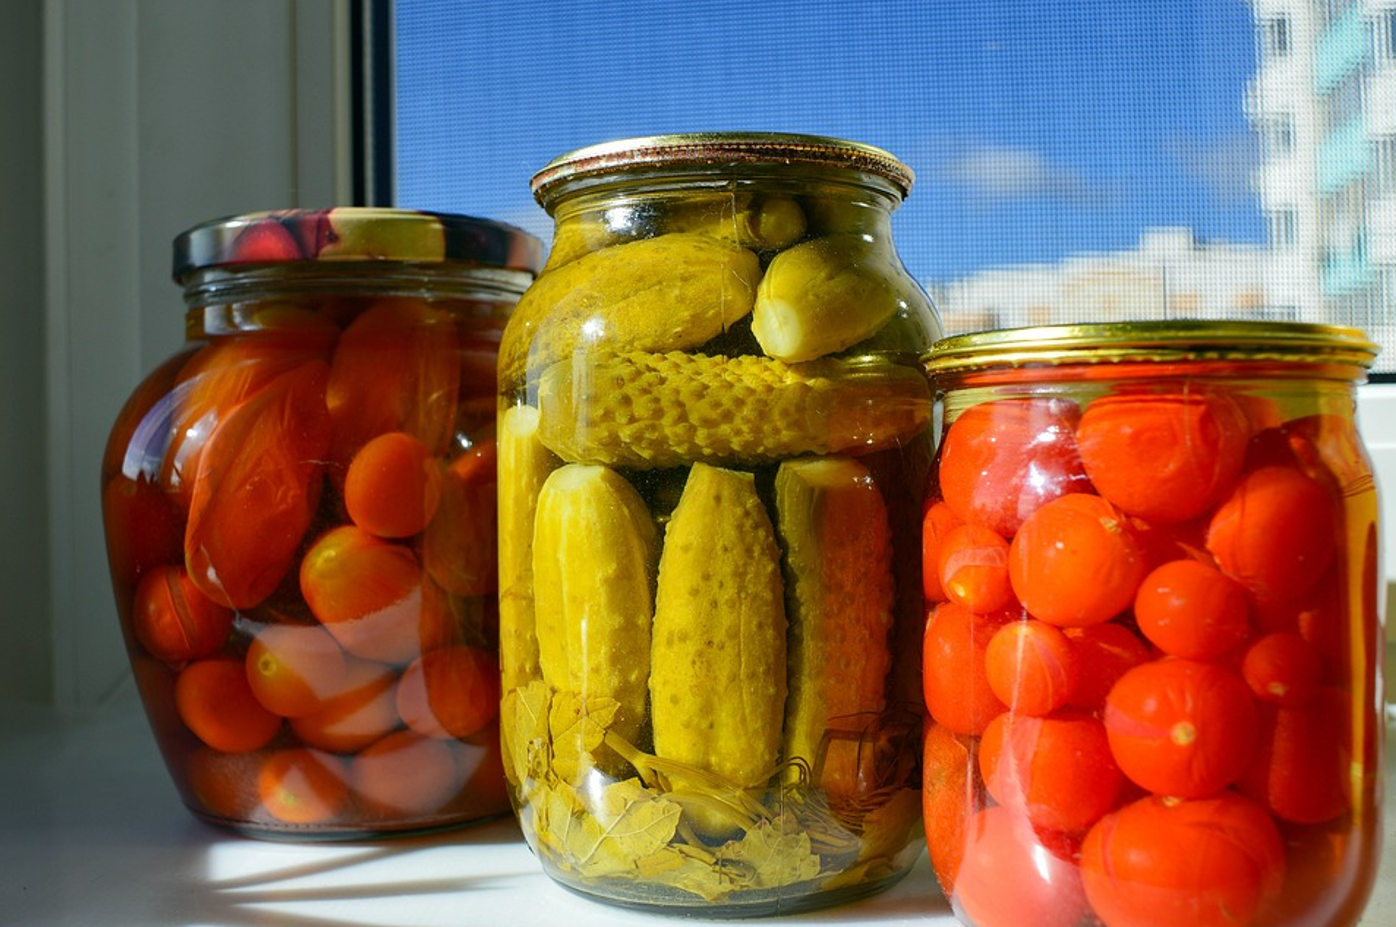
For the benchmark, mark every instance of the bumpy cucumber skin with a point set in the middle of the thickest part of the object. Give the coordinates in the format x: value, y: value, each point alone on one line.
x: 717, y: 688
x: 595, y: 551
x: 667, y: 293
x: 840, y: 593
x: 641, y: 409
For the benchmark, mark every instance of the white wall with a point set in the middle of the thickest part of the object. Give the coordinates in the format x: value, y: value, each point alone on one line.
x: 126, y: 121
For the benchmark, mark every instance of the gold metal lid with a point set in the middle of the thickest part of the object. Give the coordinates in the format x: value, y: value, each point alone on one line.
x: 1172, y: 340
x: 716, y: 150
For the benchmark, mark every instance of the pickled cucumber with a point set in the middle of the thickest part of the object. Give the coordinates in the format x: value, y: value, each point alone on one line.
x: 595, y: 553
x: 524, y: 463
x: 657, y: 294
x: 642, y: 409
x: 717, y: 687
x: 827, y: 294
x: 833, y: 523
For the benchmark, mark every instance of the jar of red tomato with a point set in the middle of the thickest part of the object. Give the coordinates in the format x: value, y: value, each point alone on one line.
x: 300, y: 519
x: 1153, y: 645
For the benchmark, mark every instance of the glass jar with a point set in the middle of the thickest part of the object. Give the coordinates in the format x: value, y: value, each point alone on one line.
x: 300, y: 519
x: 714, y: 435
x: 1154, y: 648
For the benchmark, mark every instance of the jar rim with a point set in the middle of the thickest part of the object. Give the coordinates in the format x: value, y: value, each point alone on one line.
x: 1152, y: 340
x: 354, y: 234
x: 719, y: 149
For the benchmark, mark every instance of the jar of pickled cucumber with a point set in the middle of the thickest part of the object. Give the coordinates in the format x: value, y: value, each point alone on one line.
x: 1154, y: 646
x: 714, y: 436
x: 300, y: 520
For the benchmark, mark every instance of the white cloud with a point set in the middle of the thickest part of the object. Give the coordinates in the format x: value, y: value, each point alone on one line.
x: 1014, y: 173
x: 1225, y: 165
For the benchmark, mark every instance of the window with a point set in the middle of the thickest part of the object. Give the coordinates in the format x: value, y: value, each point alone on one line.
x: 1384, y: 36
x: 1384, y: 165
x: 1284, y: 233
x: 1275, y: 37
x: 1277, y: 135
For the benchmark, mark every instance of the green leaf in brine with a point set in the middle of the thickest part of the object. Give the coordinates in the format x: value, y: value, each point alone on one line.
x: 524, y: 735
x: 578, y: 727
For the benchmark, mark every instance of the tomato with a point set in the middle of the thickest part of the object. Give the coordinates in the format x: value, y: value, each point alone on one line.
x: 954, y: 682
x: 949, y: 795
x: 1032, y: 666
x: 214, y: 701
x: 257, y: 488
x: 396, y: 368
x: 1282, y: 668
x: 450, y: 692
x: 1189, y: 609
x: 143, y: 528
x: 460, y: 547
x: 1056, y: 770
x: 972, y: 563
x: 373, y: 596
x: 222, y: 784
x: 362, y: 712
x: 1104, y: 653
x: 1075, y: 562
x: 300, y: 785
x: 1275, y: 533
x: 1180, y: 727
x: 1010, y: 877
x: 393, y: 486
x: 1164, y: 458
x: 1160, y: 862
x: 1302, y: 770
x: 1001, y: 460
x: 406, y: 774
x: 174, y: 621
x: 293, y: 669
x: 937, y: 523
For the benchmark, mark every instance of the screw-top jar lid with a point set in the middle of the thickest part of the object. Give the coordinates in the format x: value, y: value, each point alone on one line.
x: 353, y: 233
x: 1151, y: 341
x: 718, y: 150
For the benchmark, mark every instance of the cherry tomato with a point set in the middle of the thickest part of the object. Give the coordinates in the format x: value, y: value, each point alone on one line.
x: 373, y: 596
x: 1104, y: 653
x: 1282, y: 668
x: 1209, y: 862
x: 937, y: 523
x: 300, y: 785
x: 459, y: 548
x: 1011, y: 877
x: 1189, y: 609
x: 294, y: 669
x: 396, y: 368
x: 216, y: 703
x: 407, y: 774
x: 1180, y: 727
x: 954, y: 682
x: 450, y: 692
x: 393, y: 486
x: 1031, y: 666
x: 1001, y: 460
x: 143, y: 528
x: 1302, y: 769
x: 1056, y: 770
x: 222, y: 785
x: 972, y: 563
x: 257, y: 488
x: 1163, y: 458
x: 1075, y: 562
x: 364, y: 711
x: 949, y: 796
x: 1275, y: 533
x: 174, y: 621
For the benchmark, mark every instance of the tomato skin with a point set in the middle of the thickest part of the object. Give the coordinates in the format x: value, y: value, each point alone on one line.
x: 1275, y: 533
x: 294, y: 669
x: 174, y: 621
x: 1001, y: 460
x: 954, y: 682
x: 1010, y: 877
x: 300, y: 785
x: 1210, y: 862
x: 406, y: 774
x: 459, y: 547
x: 1189, y: 609
x: 1282, y: 668
x: 363, y: 711
x: 143, y: 528
x: 1302, y: 768
x: 1104, y: 653
x: 257, y: 488
x: 1075, y: 562
x: 1164, y: 458
x: 950, y: 794
x: 393, y: 486
x: 938, y: 521
x: 1180, y: 727
x: 972, y: 568
x: 1032, y: 667
x: 450, y: 692
x: 214, y: 701
x: 1056, y: 770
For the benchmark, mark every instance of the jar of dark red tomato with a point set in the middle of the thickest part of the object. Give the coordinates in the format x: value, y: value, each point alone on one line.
x: 300, y: 518
x: 1153, y: 650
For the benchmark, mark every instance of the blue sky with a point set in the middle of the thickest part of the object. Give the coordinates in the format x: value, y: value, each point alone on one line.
x: 1036, y: 129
